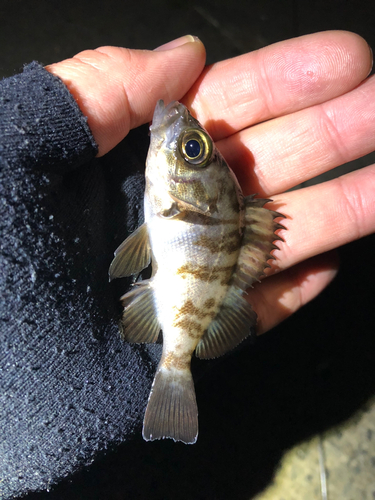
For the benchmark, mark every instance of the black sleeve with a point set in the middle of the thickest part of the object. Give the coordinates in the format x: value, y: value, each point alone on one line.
x: 70, y: 388
x: 41, y: 124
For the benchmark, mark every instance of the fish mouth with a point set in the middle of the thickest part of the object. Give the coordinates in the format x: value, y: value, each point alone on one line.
x: 165, y: 116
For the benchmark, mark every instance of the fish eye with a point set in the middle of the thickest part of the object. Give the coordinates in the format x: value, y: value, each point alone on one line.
x: 195, y: 147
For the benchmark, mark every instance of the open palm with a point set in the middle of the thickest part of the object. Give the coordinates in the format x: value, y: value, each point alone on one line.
x: 280, y: 116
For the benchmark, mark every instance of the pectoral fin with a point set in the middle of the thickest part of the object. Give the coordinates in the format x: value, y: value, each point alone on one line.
x: 234, y: 322
x: 139, y: 321
x: 133, y: 255
x: 257, y: 242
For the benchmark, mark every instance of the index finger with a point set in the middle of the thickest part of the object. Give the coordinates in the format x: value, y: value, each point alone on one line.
x: 277, y: 80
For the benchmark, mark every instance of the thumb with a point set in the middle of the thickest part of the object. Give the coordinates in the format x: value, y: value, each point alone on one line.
x: 117, y: 88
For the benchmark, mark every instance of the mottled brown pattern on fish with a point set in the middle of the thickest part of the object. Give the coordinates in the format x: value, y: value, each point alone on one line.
x: 179, y: 362
x: 189, y: 308
x: 228, y: 246
x: 228, y: 195
x: 193, y: 191
x: 206, y: 273
x: 190, y: 327
x: 190, y: 189
x: 204, y: 220
x: 237, y: 208
x: 209, y: 303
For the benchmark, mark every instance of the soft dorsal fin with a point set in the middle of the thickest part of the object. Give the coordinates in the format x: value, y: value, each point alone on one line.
x: 139, y: 322
x: 257, y: 242
x: 133, y: 255
x: 233, y: 323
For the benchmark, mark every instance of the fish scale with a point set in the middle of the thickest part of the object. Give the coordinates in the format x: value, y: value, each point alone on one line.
x: 207, y: 244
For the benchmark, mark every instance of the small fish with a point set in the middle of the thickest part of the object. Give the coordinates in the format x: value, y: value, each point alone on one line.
x: 207, y: 244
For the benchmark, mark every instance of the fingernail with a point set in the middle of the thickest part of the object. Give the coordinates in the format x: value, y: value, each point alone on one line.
x: 177, y: 43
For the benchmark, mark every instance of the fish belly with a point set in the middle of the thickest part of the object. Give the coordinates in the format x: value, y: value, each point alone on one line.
x: 193, y: 272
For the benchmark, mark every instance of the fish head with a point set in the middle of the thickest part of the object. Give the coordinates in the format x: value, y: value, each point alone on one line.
x: 184, y: 169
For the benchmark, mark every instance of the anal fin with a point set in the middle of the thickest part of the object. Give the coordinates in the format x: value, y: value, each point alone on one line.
x: 172, y: 408
x: 133, y: 255
x: 233, y: 323
x: 139, y: 321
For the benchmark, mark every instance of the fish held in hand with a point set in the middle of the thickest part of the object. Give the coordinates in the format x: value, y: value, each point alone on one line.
x: 207, y: 244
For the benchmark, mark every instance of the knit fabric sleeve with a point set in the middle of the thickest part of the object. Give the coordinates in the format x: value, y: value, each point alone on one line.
x: 41, y: 125
x: 70, y: 388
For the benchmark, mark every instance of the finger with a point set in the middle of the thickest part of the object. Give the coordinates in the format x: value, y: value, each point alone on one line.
x: 117, y: 88
x: 279, y: 296
x: 278, y: 79
x: 294, y: 148
x: 326, y: 216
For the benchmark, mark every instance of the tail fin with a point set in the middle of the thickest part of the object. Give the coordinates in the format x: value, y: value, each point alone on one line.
x: 172, y: 408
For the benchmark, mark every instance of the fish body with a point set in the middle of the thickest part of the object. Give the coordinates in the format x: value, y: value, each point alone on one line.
x: 207, y: 244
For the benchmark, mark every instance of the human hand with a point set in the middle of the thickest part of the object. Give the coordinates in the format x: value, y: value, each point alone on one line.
x: 280, y: 116
x: 117, y: 88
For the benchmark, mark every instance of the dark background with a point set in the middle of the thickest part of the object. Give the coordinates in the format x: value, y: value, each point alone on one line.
x: 310, y: 373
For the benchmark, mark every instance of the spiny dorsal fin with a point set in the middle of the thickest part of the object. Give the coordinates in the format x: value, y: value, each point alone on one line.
x: 257, y: 242
x: 139, y: 321
x: 172, y: 408
x: 233, y: 323
x: 133, y: 255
